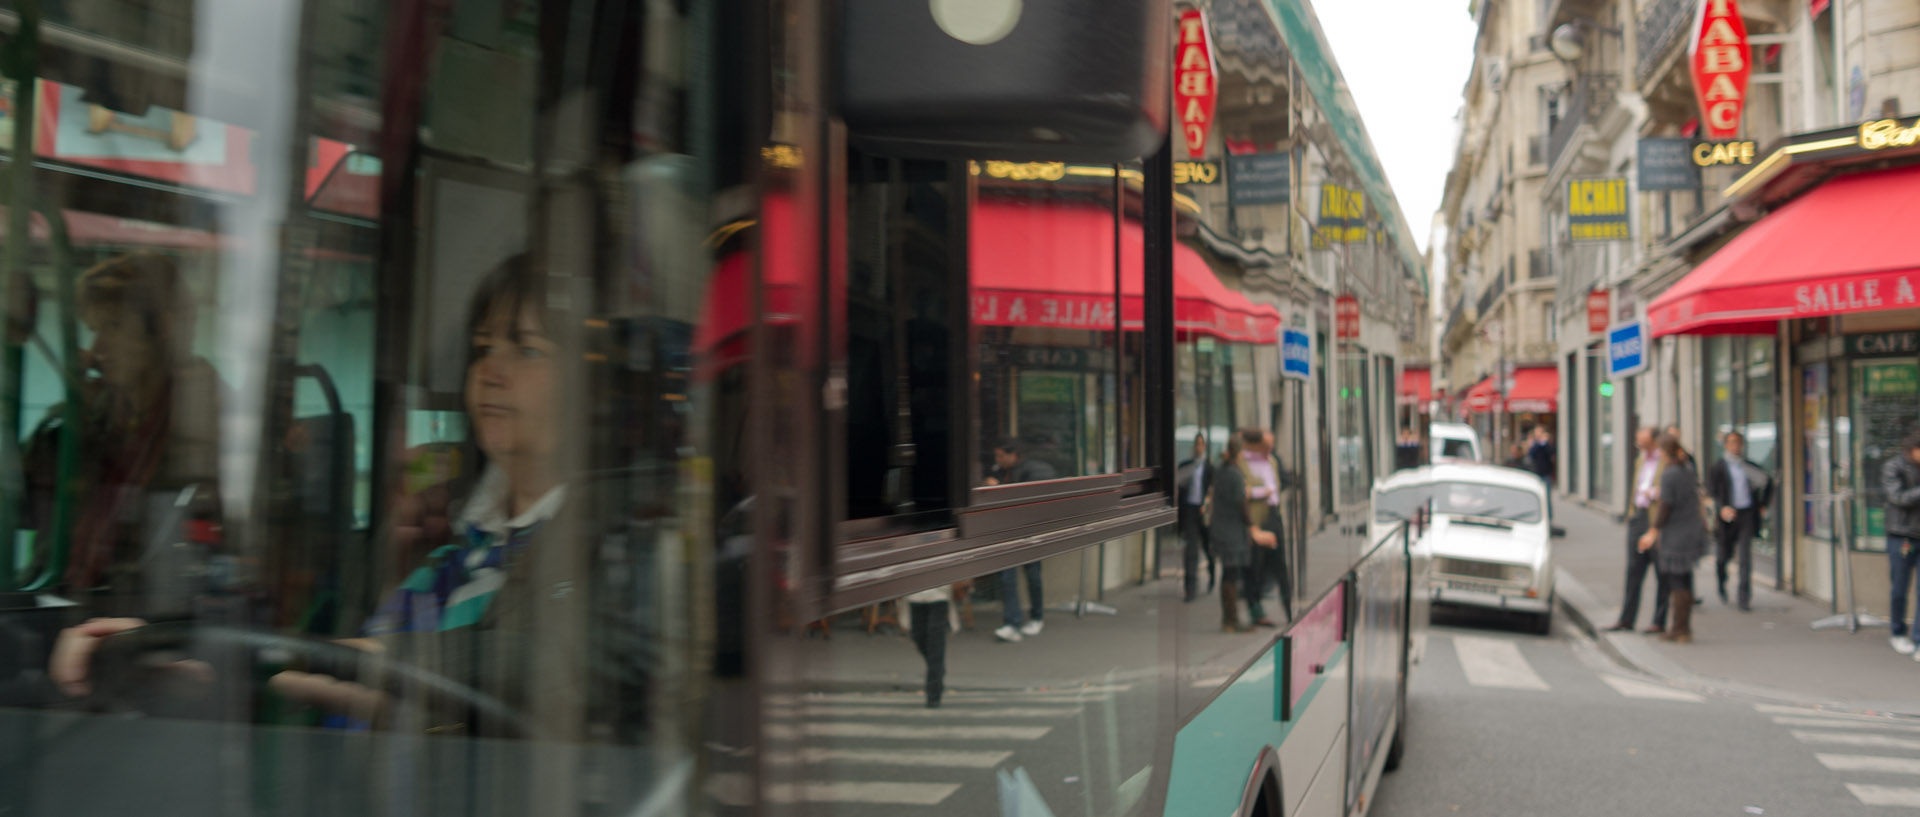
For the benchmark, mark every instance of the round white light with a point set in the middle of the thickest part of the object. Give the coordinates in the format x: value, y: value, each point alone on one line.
x: 976, y: 22
x: 1566, y: 43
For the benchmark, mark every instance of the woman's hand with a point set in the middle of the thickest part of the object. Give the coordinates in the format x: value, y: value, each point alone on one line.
x: 1648, y: 540
x: 1726, y: 513
x: 73, y: 652
x: 1264, y: 537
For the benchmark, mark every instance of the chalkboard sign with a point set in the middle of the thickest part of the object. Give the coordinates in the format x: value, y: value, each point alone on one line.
x: 1885, y: 401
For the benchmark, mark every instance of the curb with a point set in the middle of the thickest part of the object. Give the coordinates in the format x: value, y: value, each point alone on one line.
x: 1634, y: 653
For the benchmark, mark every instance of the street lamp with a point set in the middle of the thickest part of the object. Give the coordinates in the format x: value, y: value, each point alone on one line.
x: 1569, y: 40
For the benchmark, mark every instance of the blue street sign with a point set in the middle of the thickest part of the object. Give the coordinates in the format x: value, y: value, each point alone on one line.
x: 1296, y: 354
x: 1627, y: 349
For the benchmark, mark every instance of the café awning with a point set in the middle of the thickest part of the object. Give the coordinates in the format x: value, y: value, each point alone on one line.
x: 1053, y: 266
x: 1416, y: 387
x: 1847, y: 246
x: 1031, y: 266
x: 1536, y: 390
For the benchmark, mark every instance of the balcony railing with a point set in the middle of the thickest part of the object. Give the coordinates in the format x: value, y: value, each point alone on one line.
x: 1455, y: 314
x: 1492, y: 294
x: 1537, y: 266
x: 1661, y: 28
x: 1593, y: 96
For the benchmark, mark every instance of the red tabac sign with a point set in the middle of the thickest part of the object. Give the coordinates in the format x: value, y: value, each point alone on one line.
x: 1599, y: 311
x: 1721, y: 66
x: 1193, y: 82
x: 1346, y: 317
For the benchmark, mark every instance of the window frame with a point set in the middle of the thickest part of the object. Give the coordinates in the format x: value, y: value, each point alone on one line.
x: 991, y: 528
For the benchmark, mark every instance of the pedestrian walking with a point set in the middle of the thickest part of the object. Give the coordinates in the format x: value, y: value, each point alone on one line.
x: 1406, y: 450
x: 1517, y: 458
x: 1646, y: 488
x: 1900, y: 484
x: 1231, y: 534
x: 1741, y: 491
x: 930, y: 619
x: 1677, y: 537
x: 1193, y: 477
x: 1012, y: 466
x: 1542, y: 457
x: 1263, y: 513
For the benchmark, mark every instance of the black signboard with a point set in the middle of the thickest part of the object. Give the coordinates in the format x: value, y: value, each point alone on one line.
x: 1667, y: 164
x: 1259, y: 178
x: 1884, y: 344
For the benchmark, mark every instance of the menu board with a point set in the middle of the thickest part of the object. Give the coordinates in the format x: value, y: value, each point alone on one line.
x: 1886, y: 407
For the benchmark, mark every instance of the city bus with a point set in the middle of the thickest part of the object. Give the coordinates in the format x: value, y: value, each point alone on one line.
x: 679, y: 407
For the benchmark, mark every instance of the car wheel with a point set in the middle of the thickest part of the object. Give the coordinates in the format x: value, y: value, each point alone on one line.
x: 1543, y: 622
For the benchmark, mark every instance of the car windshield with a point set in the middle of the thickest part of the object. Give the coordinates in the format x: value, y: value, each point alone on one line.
x: 1457, y: 499
x: 1461, y: 449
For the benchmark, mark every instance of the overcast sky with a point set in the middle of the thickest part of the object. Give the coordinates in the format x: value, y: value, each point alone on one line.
x: 1405, y: 62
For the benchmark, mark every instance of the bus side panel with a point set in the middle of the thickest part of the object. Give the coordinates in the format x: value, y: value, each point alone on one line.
x: 1313, y: 760
x: 1216, y: 751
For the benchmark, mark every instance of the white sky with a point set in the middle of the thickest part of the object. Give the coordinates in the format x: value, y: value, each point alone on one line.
x: 1405, y: 62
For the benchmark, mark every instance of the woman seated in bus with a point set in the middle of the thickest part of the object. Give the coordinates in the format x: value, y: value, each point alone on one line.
x: 147, y: 444
x: 464, y: 612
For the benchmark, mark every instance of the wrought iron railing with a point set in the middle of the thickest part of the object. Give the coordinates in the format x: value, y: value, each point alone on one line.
x: 1492, y: 294
x: 1661, y: 27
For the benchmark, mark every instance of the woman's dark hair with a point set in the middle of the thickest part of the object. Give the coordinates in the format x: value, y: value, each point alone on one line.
x: 514, y: 285
x: 1670, y: 445
x: 1231, y: 454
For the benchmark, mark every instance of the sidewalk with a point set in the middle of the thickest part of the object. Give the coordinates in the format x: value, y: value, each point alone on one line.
x: 1771, y: 653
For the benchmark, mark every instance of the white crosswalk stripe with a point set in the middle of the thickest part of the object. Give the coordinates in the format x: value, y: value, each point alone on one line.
x: 887, y: 749
x: 1875, y: 795
x: 1492, y: 662
x: 1835, y: 723
x: 1856, y: 739
x: 1815, y: 712
x: 1635, y: 688
x: 1870, y: 763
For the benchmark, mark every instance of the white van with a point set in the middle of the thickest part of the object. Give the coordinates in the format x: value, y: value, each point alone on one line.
x: 1454, y: 442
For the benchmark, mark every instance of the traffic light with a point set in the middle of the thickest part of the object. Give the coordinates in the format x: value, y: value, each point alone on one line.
x: 1606, y: 389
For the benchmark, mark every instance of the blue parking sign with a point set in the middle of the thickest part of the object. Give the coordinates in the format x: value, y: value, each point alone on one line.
x: 1627, y: 349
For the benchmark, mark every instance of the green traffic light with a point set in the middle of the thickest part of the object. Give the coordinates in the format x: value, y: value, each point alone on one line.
x: 1606, y: 390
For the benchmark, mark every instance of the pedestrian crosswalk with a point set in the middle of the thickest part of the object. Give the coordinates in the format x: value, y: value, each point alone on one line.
x: 1503, y: 664
x: 1877, y: 757
x: 888, y: 751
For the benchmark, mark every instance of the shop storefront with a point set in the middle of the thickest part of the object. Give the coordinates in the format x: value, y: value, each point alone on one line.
x: 1810, y: 325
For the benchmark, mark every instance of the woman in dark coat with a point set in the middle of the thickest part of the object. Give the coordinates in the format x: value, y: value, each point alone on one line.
x: 1679, y: 533
x: 1229, y: 531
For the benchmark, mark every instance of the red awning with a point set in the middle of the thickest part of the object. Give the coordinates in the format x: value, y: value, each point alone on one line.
x: 1052, y: 266
x: 1536, y: 390
x: 1416, y: 386
x: 1032, y: 266
x: 1847, y: 246
x: 1479, y: 397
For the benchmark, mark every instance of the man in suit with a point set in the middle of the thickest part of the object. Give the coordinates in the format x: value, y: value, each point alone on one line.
x: 1194, y: 479
x: 1741, y: 492
x: 1646, y: 488
x: 1264, y: 485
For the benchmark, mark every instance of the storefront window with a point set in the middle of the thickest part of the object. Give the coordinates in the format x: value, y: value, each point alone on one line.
x: 1044, y: 279
x: 1353, y: 460
x: 1721, y: 397
x: 1817, y: 450
x: 1885, y: 394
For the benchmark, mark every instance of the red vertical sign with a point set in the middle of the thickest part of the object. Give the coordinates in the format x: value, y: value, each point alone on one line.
x: 1194, y: 82
x: 1599, y: 311
x: 1721, y: 64
x: 1346, y: 317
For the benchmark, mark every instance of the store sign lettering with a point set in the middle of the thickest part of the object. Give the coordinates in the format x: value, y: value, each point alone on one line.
x: 1887, y: 133
x: 1032, y: 310
x: 1196, y: 172
x: 1193, y: 82
x: 1714, y: 154
x: 1853, y: 296
x: 1719, y: 51
x: 1898, y: 344
x: 1597, y: 209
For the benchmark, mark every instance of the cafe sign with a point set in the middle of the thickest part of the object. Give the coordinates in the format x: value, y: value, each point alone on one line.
x: 1193, y: 82
x: 1718, y: 52
x: 1884, y: 344
x: 1715, y: 154
x: 1200, y: 173
x: 1887, y: 133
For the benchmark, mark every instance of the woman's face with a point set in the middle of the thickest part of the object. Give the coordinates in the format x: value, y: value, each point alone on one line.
x: 510, y: 385
x: 122, y: 350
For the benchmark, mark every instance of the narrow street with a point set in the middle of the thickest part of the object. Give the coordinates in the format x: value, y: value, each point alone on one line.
x: 1506, y: 723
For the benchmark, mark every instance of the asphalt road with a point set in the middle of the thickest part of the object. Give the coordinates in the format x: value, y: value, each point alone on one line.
x: 1505, y: 723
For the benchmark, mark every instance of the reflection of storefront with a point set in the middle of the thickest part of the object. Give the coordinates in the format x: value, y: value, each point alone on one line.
x: 1828, y: 275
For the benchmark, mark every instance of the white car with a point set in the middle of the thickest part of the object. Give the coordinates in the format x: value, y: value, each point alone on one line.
x: 1486, y: 542
x: 1454, y: 442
